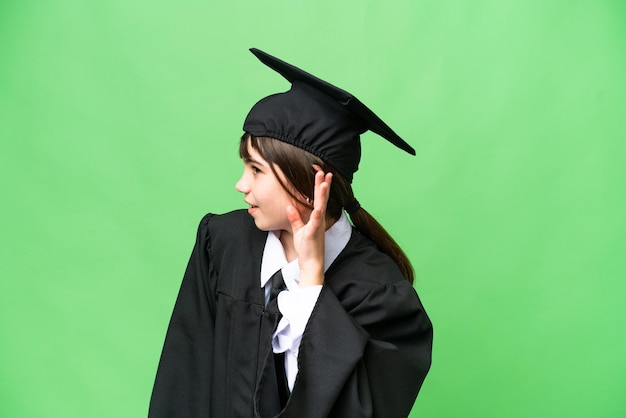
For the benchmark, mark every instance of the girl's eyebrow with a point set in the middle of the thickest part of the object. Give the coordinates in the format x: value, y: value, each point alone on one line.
x: 249, y: 160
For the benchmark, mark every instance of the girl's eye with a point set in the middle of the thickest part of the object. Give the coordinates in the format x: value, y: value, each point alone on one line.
x: 255, y: 170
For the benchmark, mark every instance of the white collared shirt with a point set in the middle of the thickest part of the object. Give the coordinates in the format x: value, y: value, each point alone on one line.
x: 296, y: 304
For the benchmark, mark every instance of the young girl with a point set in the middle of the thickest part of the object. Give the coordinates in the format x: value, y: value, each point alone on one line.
x: 288, y: 309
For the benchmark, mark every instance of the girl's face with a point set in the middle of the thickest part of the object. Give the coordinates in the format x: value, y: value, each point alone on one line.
x: 264, y: 194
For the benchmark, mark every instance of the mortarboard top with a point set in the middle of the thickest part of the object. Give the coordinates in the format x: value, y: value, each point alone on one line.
x: 317, y: 117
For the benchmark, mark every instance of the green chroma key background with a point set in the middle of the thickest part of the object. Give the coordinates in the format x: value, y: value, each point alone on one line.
x: 119, y: 124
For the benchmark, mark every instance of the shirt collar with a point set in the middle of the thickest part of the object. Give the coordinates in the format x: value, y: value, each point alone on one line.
x: 336, y: 239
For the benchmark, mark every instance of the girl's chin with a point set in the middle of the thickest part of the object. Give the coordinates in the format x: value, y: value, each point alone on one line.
x: 265, y: 226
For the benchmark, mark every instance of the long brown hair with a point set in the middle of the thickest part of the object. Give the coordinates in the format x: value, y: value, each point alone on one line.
x: 297, y: 167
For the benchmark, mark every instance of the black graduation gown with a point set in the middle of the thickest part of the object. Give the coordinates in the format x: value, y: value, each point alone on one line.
x: 364, y: 353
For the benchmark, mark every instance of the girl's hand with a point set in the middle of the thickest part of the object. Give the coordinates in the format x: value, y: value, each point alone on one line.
x: 308, y: 238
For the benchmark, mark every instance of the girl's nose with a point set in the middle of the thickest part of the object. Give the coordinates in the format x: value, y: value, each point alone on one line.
x: 242, y: 186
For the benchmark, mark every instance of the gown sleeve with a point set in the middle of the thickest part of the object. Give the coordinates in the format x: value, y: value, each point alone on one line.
x: 182, y: 385
x: 365, y: 356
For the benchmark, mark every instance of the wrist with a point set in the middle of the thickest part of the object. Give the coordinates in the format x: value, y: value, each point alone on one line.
x: 311, y: 275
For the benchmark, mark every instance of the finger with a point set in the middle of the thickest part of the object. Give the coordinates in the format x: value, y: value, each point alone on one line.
x: 320, y: 177
x: 328, y: 179
x: 315, y: 222
x: 323, y: 182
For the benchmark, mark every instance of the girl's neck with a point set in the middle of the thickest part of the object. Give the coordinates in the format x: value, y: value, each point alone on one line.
x: 286, y: 238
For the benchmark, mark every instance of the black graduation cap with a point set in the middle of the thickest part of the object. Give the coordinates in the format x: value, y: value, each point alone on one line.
x: 317, y: 117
